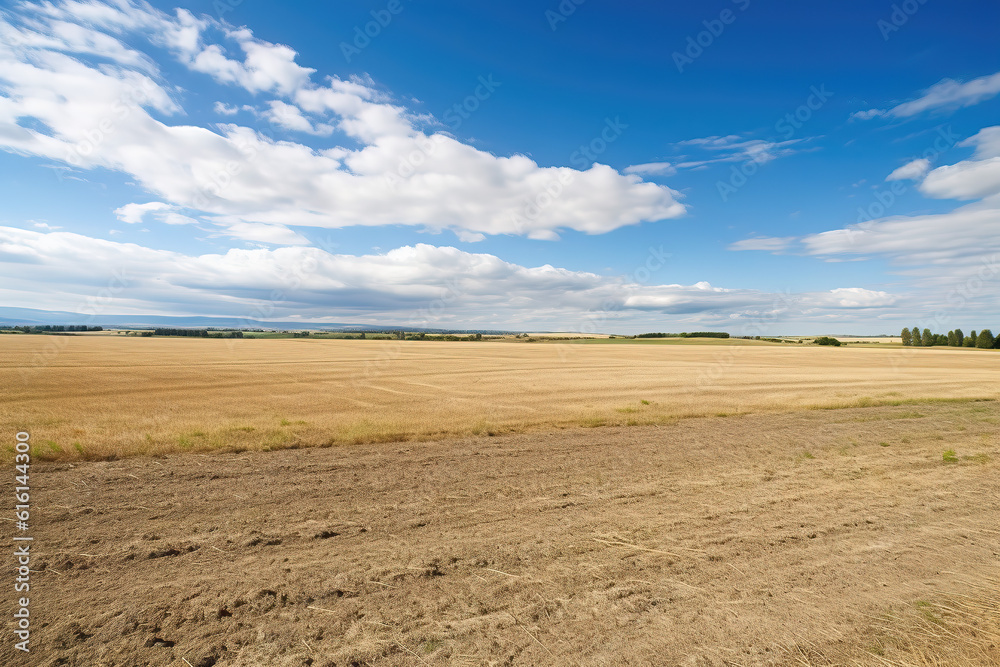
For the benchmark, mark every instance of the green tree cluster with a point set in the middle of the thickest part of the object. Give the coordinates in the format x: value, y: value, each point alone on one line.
x: 956, y: 338
x: 826, y: 340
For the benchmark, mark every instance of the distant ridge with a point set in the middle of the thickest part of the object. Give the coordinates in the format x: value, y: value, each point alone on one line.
x: 31, y: 316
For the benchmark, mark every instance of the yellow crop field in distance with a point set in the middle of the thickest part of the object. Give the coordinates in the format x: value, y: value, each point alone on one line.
x: 108, y: 397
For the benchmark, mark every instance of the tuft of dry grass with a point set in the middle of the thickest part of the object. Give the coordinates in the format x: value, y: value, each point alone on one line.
x: 952, y: 629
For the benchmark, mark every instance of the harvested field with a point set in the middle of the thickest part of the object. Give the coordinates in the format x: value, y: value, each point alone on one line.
x: 804, y: 538
x: 105, y: 397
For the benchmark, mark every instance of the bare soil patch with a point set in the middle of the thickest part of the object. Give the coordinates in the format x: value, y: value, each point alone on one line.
x: 798, y: 538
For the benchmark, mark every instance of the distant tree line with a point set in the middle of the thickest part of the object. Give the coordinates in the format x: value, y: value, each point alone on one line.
x: 200, y: 333
x: 197, y: 333
x: 445, y: 337
x: 916, y: 338
x: 685, y: 334
x: 57, y: 328
x: 772, y: 340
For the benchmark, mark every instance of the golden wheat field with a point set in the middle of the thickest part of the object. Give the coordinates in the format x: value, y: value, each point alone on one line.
x: 105, y: 397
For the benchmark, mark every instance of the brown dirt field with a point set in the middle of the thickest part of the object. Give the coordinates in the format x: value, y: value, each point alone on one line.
x: 814, y: 537
x: 93, y: 397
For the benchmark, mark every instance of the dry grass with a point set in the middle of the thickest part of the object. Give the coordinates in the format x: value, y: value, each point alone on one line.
x: 952, y: 629
x: 102, y: 397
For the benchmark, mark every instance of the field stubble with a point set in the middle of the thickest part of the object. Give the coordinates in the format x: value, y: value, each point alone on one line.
x: 802, y: 538
x: 106, y: 397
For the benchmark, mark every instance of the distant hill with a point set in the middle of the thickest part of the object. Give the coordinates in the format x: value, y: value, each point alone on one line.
x: 31, y: 316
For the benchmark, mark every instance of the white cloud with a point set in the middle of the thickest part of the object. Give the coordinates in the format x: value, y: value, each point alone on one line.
x: 265, y: 67
x: 225, y: 110
x: 949, y: 93
x: 469, y: 237
x: 173, y: 218
x: 103, y: 116
x: 44, y: 225
x: 976, y: 178
x: 231, y: 227
x: 853, y: 297
x: 952, y: 258
x: 420, y: 284
x: 866, y: 115
x: 157, y: 210
x: 945, y: 94
x: 769, y: 244
x: 275, y: 234
x: 914, y: 170
x: 652, y: 168
x: 290, y: 117
x: 734, y: 148
x: 134, y: 213
x: 938, y: 249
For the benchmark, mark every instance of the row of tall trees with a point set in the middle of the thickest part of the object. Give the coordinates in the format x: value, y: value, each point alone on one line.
x: 984, y: 339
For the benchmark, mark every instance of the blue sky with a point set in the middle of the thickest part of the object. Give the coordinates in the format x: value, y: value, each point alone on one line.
x: 756, y: 167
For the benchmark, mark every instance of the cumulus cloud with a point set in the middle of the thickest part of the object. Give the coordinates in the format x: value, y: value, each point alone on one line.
x: 423, y: 284
x: 976, y: 178
x: 290, y: 117
x: 391, y: 171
